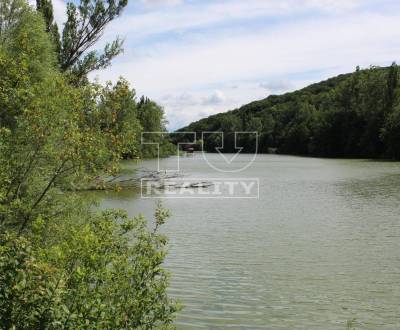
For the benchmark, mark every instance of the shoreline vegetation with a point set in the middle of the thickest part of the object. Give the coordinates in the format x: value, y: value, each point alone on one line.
x: 123, y: 181
x: 62, y: 264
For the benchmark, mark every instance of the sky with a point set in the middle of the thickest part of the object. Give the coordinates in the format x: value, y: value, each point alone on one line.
x: 201, y: 57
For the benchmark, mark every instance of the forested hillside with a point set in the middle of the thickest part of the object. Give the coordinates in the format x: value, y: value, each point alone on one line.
x: 352, y: 115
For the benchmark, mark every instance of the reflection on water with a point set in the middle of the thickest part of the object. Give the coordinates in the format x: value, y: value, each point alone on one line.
x: 320, y: 246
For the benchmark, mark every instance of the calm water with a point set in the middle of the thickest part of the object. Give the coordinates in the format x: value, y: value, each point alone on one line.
x: 320, y: 246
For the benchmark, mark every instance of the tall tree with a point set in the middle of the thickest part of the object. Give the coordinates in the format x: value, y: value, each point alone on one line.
x: 10, y: 11
x: 46, y: 8
x: 392, y: 81
x: 151, y: 116
x: 152, y: 120
x: 84, y: 26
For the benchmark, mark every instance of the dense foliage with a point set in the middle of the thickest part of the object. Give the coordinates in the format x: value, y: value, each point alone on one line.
x: 104, y: 272
x: 352, y: 115
x: 63, y: 266
x: 155, y: 143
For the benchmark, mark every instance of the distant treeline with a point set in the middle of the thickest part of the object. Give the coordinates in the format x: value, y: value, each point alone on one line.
x: 352, y: 115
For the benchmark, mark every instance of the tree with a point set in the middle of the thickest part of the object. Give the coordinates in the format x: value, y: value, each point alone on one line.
x: 391, y: 134
x: 392, y: 82
x: 152, y: 120
x: 118, y: 118
x: 230, y: 124
x: 25, y: 58
x: 267, y: 139
x: 9, y: 14
x: 45, y: 147
x: 84, y: 26
x: 46, y: 8
x: 151, y: 116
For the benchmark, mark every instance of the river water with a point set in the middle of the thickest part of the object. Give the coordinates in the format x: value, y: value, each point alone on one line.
x: 320, y: 246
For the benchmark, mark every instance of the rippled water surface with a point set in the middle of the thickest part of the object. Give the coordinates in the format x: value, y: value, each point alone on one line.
x: 320, y: 246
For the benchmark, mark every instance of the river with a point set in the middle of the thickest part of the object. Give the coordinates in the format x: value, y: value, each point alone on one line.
x: 320, y: 246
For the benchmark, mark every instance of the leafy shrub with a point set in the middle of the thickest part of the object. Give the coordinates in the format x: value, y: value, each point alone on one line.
x: 103, y: 273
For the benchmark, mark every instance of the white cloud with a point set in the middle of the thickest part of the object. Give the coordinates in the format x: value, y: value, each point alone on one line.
x: 194, y: 15
x: 308, y: 46
x: 217, y: 97
x: 59, y: 11
x: 222, y: 64
x: 163, y: 2
x: 275, y: 86
x: 186, y: 107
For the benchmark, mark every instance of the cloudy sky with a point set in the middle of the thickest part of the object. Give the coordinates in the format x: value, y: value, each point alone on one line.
x: 200, y: 57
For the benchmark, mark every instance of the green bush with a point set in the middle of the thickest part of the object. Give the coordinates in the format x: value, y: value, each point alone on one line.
x: 104, y: 272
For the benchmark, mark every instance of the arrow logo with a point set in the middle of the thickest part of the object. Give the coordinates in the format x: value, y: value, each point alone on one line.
x: 230, y: 160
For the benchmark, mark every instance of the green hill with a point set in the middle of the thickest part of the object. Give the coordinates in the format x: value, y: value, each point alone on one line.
x: 351, y: 115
